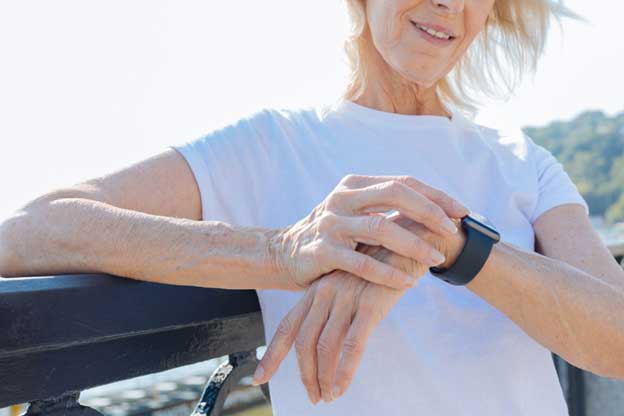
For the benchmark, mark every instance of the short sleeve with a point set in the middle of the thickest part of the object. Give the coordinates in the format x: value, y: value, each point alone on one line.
x: 228, y: 163
x: 554, y: 185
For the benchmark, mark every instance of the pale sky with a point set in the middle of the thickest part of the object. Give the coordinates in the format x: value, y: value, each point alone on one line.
x: 88, y: 87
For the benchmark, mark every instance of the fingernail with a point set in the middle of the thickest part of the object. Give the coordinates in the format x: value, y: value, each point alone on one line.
x: 336, y: 391
x: 461, y: 207
x: 437, y: 257
x: 449, y: 225
x: 257, y: 376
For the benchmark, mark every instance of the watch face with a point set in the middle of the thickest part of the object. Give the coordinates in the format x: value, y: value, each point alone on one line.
x: 481, y: 218
x: 481, y: 223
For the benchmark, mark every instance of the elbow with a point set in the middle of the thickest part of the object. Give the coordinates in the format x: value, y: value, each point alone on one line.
x: 615, y: 373
x: 8, y: 253
x: 609, y: 364
x: 7, y: 261
x: 6, y: 268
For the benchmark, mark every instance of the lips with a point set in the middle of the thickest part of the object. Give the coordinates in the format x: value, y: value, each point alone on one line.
x: 429, y: 27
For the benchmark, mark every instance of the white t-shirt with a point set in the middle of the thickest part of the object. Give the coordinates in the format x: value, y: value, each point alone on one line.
x: 442, y: 350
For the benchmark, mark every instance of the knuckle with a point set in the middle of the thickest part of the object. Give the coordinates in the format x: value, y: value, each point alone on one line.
x: 303, y: 345
x: 324, y: 347
x: 439, y: 194
x: 334, y: 201
x: 363, y: 265
x: 419, y: 247
x: 398, y: 279
x: 341, y: 200
x: 434, y: 212
x: 268, y: 358
x: 334, y: 196
x: 393, y: 277
x: 366, y: 308
x: 394, y: 189
x: 376, y: 224
x: 370, y: 312
x: 324, y: 290
x: 284, y: 328
x: 327, y: 221
x: 350, y: 179
x: 321, y: 251
x: 352, y: 346
x: 410, y: 181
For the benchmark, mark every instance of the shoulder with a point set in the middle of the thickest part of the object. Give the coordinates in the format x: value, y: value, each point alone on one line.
x: 506, y: 142
x: 292, y: 115
x: 295, y: 117
x: 277, y: 121
x: 263, y: 127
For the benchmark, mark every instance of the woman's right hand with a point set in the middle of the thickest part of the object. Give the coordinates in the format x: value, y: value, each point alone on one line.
x: 326, y: 239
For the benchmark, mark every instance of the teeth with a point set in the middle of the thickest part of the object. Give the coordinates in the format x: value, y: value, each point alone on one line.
x: 440, y: 35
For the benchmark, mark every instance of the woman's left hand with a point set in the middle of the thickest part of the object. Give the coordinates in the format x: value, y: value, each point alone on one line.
x: 338, y: 312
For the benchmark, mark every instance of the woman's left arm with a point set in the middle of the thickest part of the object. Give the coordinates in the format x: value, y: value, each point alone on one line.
x: 572, y: 302
x: 568, y: 295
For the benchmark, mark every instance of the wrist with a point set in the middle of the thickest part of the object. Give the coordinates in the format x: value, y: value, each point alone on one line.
x: 275, y: 259
x: 454, y: 245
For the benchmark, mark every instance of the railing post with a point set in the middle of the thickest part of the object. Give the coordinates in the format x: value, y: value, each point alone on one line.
x: 222, y: 380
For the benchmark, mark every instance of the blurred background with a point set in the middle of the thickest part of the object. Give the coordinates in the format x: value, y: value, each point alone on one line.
x: 88, y: 87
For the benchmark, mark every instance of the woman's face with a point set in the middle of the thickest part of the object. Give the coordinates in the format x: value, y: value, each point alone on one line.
x: 416, y: 55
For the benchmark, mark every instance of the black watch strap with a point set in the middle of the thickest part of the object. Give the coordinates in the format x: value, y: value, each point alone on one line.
x: 470, y: 260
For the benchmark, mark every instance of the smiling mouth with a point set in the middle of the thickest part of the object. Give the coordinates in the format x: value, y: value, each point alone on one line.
x: 432, y: 32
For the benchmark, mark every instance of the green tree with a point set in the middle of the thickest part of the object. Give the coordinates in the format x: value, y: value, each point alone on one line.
x: 591, y: 149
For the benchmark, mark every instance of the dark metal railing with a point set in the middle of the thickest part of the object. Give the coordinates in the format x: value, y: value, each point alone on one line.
x: 64, y: 334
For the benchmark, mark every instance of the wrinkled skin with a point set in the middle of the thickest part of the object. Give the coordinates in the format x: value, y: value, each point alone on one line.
x: 326, y: 238
x: 338, y: 313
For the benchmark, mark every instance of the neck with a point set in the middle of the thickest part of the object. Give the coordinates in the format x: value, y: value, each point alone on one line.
x: 388, y: 91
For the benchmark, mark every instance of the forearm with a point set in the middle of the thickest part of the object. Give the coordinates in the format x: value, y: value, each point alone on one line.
x: 569, y: 311
x: 75, y: 235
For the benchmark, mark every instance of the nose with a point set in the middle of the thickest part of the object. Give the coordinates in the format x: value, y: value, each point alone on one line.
x: 452, y: 6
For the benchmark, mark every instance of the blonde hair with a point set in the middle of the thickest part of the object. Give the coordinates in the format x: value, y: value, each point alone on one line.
x: 514, y: 33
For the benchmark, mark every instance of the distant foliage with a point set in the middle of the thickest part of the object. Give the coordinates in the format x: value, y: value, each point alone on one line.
x: 591, y: 148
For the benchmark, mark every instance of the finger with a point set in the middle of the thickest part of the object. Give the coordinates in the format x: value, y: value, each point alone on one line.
x: 305, y: 347
x: 450, y: 205
x: 370, y: 269
x: 408, y: 201
x: 352, y: 350
x: 329, y: 346
x: 380, y: 230
x: 282, y: 340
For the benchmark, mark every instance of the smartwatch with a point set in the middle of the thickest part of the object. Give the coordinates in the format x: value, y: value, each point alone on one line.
x: 480, y: 237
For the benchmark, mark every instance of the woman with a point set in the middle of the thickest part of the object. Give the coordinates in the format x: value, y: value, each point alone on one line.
x: 293, y: 203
